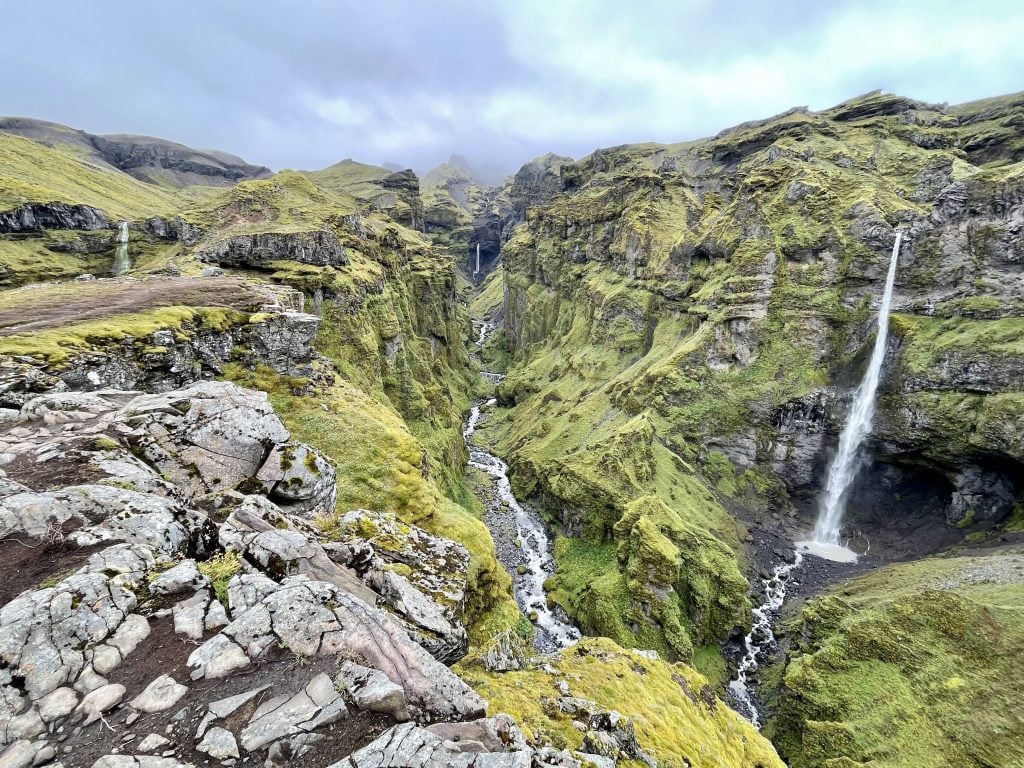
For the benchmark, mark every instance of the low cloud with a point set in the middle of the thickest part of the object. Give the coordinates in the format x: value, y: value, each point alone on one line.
x: 305, y: 85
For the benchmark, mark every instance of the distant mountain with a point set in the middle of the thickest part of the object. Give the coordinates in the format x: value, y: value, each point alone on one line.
x: 157, y: 161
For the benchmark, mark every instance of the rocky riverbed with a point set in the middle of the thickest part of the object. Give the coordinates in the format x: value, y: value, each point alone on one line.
x: 520, y: 536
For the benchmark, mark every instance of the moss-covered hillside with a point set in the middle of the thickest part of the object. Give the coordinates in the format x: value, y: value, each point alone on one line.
x: 383, y: 399
x: 915, y: 665
x: 686, y: 322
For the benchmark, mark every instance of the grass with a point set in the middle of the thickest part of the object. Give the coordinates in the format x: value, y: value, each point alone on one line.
x: 219, y: 571
x: 677, y: 718
x: 913, y: 665
x: 32, y: 172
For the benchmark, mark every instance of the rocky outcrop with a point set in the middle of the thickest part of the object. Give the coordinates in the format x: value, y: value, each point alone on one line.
x: 318, y: 248
x: 35, y: 217
x: 173, y: 357
x: 421, y: 577
x: 164, y: 161
x: 174, y: 228
x: 171, y: 548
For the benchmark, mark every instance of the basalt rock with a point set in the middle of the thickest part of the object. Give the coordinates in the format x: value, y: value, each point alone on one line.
x: 34, y: 217
x: 318, y: 248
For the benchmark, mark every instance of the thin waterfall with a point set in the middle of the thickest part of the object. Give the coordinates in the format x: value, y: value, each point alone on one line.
x: 846, y: 462
x: 477, y: 270
x: 122, y: 262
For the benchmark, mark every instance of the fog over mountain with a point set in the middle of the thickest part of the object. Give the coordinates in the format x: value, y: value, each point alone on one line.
x: 410, y: 83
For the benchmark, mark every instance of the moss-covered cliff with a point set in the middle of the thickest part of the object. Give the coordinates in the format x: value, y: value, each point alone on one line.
x: 686, y: 322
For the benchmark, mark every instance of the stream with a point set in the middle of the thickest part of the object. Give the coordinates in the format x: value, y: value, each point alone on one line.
x: 520, y: 536
x: 760, y: 641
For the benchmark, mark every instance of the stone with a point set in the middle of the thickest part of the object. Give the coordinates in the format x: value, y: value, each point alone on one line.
x: 190, y: 615
x: 410, y: 745
x: 505, y: 653
x: 252, y: 529
x: 299, y: 479
x: 218, y: 743
x: 284, y: 341
x: 207, y: 437
x: 152, y: 742
x: 57, y: 704
x: 161, y: 694
x: 183, y: 578
x: 105, y: 659
x: 18, y: 754
x: 224, y: 707
x: 318, y: 704
x: 96, y: 703
x: 217, y: 657
x: 372, y: 690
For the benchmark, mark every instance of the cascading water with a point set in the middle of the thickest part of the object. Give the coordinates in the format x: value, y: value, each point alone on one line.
x: 122, y: 262
x: 532, y: 549
x: 761, y: 639
x: 841, y: 473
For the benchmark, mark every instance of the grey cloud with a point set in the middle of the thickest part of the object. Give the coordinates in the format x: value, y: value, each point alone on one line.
x: 306, y: 84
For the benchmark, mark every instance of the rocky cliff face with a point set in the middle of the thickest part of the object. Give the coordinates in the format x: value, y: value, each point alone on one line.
x: 702, y: 311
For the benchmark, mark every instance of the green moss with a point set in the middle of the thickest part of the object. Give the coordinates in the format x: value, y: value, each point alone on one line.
x: 58, y: 345
x: 219, y: 571
x: 913, y: 665
x: 29, y: 260
x: 931, y: 341
x: 677, y: 718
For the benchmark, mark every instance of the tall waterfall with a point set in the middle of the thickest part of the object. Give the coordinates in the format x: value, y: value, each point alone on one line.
x: 122, y: 262
x: 477, y: 259
x: 845, y: 464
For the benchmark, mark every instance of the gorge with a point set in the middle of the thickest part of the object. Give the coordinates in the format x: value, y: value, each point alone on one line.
x: 354, y: 467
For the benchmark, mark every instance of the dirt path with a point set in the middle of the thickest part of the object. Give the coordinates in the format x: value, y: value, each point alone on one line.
x: 51, y: 305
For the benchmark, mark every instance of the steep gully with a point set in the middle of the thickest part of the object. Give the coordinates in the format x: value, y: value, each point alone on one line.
x: 530, y: 557
x: 520, y: 536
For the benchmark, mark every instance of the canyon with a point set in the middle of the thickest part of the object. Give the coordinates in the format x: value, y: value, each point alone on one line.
x: 357, y: 468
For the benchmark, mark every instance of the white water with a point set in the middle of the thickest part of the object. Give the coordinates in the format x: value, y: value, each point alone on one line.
x: 761, y: 638
x: 485, y: 330
x: 552, y: 632
x: 122, y: 262
x: 846, y: 462
x: 475, y: 271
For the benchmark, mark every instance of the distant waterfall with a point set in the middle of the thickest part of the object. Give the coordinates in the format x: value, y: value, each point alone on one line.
x: 844, y: 467
x: 122, y: 262
x: 475, y: 271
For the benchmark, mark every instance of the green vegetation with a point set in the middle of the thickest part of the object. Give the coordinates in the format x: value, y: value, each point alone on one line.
x: 57, y: 345
x: 34, y: 173
x: 33, y: 259
x: 667, y: 311
x: 914, y: 665
x: 676, y: 715
x: 219, y: 571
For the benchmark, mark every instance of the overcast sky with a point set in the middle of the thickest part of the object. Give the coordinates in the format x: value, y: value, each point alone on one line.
x: 305, y: 84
